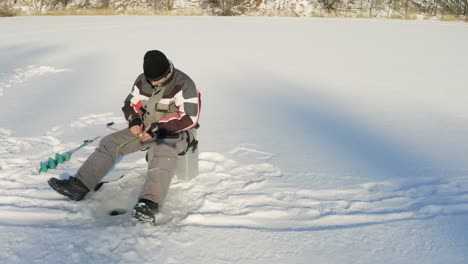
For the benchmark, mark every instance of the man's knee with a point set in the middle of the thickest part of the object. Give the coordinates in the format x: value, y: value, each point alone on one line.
x: 165, y: 148
x: 163, y: 163
x: 107, y: 143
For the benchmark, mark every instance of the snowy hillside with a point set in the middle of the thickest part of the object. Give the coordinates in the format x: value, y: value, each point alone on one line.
x: 321, y: 140
x: 409, y: 9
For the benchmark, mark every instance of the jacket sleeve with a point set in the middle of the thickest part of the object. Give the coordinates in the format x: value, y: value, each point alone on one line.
x: 188, y: 103
x: 132, y: 104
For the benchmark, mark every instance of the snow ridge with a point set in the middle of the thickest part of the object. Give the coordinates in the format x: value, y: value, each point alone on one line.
x: 21, y: 75
x: 248, y: 197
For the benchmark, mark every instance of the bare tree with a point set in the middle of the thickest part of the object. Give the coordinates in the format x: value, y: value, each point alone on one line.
x: 159, y: 5
x: 43, y: 5
x: 6, y: 9
x: 372, y: 3
x: 466, y: 8
x: 228, y: 7
x: 329, y: 5
x: 104, y: 3
x: 406, y: 8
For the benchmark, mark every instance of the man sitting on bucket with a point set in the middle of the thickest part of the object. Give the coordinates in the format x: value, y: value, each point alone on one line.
x: 162, y: 109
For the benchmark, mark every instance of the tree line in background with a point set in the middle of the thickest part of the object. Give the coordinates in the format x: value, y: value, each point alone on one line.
x: 350, y: 8
x: 399, y: 8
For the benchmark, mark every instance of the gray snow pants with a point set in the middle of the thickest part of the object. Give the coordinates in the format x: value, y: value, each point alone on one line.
x: 162, y: 161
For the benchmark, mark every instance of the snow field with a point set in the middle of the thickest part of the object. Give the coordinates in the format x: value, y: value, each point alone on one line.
x: 322, y: 141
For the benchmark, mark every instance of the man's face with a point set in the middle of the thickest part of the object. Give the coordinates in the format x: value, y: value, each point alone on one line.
x: 158, y: 82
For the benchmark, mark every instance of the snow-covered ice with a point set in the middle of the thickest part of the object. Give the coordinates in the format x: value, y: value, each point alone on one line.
x: 321, y: 140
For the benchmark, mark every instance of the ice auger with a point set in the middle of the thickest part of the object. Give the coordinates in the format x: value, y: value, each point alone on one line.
x: 52, y: 163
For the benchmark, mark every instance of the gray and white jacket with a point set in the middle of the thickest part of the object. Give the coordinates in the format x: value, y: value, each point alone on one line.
x: 171, y: 107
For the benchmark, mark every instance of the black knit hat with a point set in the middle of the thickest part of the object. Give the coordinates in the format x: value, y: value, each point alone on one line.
x: 155, y: 65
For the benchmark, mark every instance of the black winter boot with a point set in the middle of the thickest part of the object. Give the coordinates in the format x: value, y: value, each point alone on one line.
x: 145, y: 210
x: 71, y: 188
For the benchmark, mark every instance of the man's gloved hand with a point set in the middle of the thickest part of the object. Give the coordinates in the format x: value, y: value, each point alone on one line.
x: 136, y: 130
x: 136, y: 126
x: 147, y: 135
